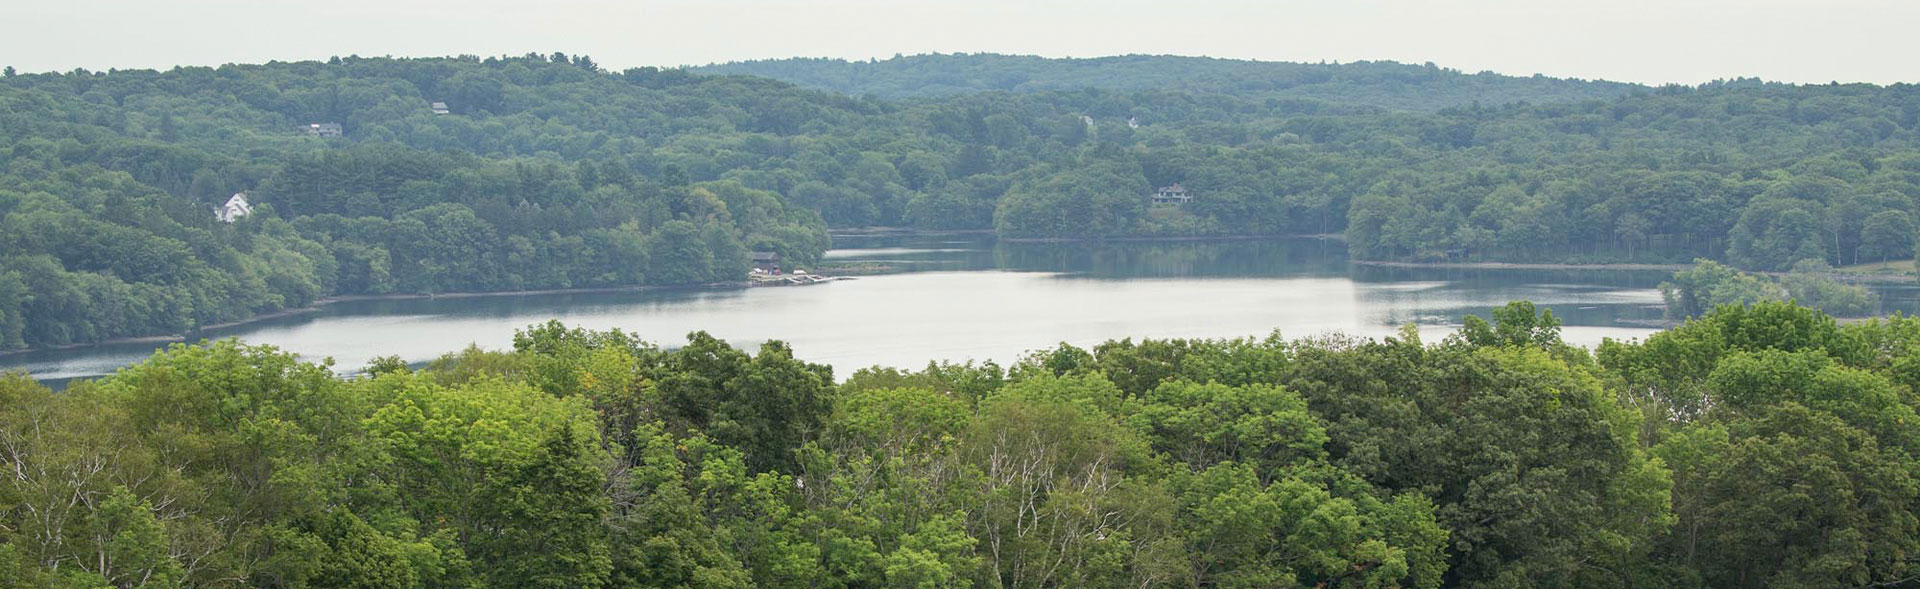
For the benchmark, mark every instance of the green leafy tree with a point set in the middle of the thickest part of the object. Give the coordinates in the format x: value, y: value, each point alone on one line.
x: 132, y: 550
x: 1515, y: 324
x: 1632, y: 230
x: 1772, y: 234
x: 1792, y: 497
x: 1263, y: 427
x: 1295, y: 533
x: 1695, y: 291
x: 550, y: 506
x: 1812, y: 283
x: 1066, y: 491
x: 662, y: 534
x: 1887, y: 235
x: 766, y: 405
x: 678, y: 255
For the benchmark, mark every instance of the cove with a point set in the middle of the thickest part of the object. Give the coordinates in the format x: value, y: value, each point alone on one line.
x: 967, y: 297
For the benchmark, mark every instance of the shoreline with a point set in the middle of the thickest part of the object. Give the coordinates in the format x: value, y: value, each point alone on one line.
x: 1846, y: 277
x: 323, y: 302
x: 857, y: 270
x: 1175, y: 238
x: 1861, y: 278
x: 896, y: 231
x: 909, y: 231
x: 1521, y: 266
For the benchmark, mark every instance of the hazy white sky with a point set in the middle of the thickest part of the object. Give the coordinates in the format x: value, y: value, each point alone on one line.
x: 1651, y: 41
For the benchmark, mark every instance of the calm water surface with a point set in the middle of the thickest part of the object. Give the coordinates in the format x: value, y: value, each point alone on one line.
x: 966, y: 297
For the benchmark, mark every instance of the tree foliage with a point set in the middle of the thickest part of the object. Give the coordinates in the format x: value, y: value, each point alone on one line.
x: 551, y: 172
x: 1755, y: 446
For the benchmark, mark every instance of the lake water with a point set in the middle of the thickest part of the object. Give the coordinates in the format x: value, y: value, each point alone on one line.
x: 960, y: 297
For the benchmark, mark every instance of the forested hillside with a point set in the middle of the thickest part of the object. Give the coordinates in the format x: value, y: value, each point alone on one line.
x: 548, y: 172
x: 1382, y: 84
x: 1762, y: 446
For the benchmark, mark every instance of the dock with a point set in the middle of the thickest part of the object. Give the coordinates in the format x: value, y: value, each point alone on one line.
x: 761, y: 279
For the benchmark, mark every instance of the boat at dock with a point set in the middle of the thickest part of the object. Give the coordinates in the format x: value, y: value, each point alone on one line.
x: 763, y: 279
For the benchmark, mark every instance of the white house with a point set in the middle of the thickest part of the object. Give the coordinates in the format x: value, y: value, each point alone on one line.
x: 235, y: 208
x: 325, y: 129
x: 1172, y: 195
x: 440, y: 108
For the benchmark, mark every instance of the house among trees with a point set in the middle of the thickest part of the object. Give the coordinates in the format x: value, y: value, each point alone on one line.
x: 235, y: 208
x: 768, y: 262
x: 324, y: 130
x: 1174, y: 194
x: 440, y: 108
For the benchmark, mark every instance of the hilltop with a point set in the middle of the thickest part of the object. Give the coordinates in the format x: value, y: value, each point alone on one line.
x: 1383, y: 84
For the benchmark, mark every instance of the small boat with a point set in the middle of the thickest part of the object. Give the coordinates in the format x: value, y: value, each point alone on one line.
x: 795, y: 279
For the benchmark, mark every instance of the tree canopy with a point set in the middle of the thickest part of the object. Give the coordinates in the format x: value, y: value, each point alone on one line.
x: 550, y: 172
x: 1756, y: 446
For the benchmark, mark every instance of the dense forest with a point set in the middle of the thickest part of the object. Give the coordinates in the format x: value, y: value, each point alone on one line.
x: 1383, y: 84
x: 546, y: 171
x: 1759, y: 446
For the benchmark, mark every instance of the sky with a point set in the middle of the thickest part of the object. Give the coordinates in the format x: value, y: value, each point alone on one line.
x: 1648, y: 41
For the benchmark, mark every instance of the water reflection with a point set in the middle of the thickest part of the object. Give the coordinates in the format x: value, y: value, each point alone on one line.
x: 958, y: 297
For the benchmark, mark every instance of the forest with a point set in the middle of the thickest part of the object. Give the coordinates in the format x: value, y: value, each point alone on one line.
x: 1758, y: 446
x: 1382, y: 84
x: 551, y: 172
